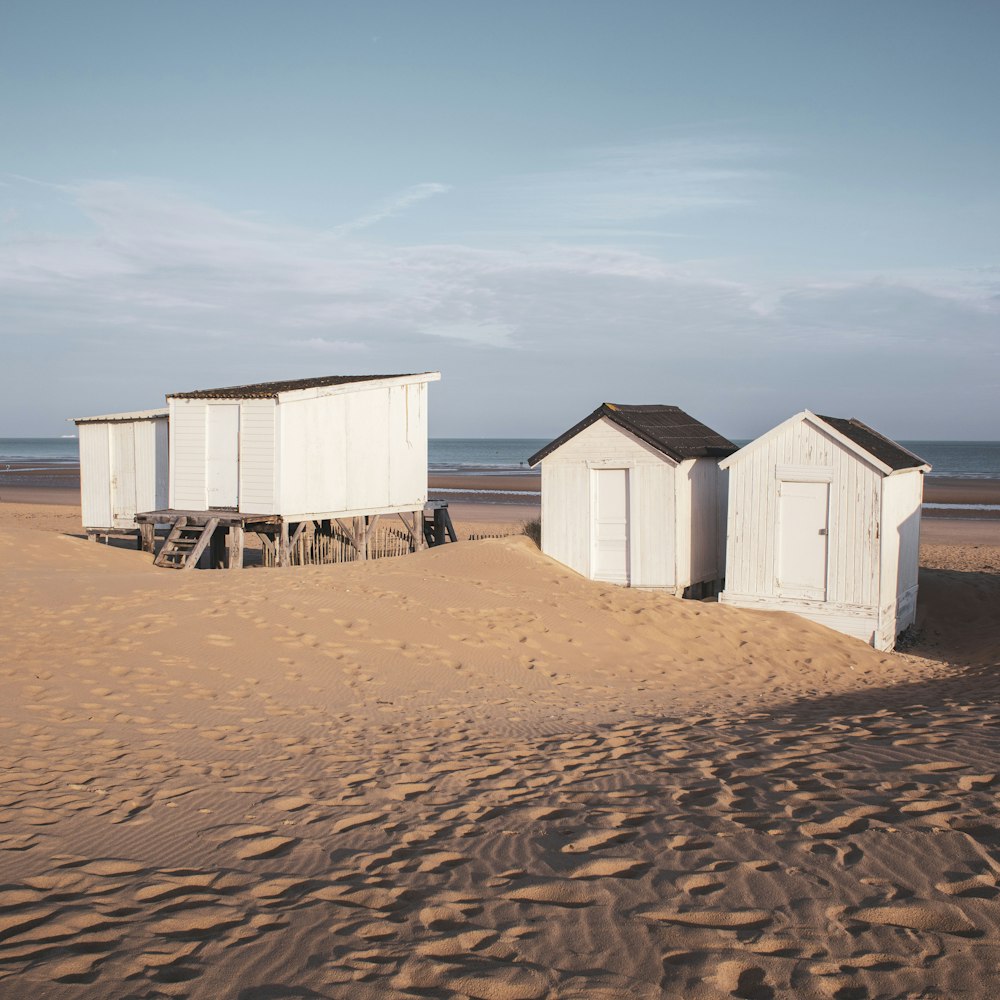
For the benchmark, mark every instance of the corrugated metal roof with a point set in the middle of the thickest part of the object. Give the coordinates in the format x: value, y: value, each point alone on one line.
x: 134, y: 415
x: 271, y: 390
x: 668, y: 429
x: 877, y: 445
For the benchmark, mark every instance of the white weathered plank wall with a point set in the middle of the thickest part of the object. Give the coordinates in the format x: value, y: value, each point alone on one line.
x: 95, y: 475
x: 258, y: 455
x: 123, y: 470
x: 567, y: 502
x: 188, y: 454
x: 353, y: 451
x: 855, y: 504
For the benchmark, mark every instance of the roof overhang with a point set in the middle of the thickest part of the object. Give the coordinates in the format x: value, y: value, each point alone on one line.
x: 160, y: 413
x: 601, y: 413
x: 807, y: 416
x: 228, y: 394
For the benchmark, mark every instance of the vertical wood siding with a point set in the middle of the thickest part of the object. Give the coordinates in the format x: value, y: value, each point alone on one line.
x: 123, y: 470
x: 902, y: 496
x: 188, y: 454
x: 354, y: 451
x: 148, y: 459
x: 258, y: 466
x: 567, y: 502
x: 95, y: 475
x: 855, y: 503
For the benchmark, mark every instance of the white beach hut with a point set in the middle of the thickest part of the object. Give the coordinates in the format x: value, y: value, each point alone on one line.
x: 272, y: 455
x: 824, y: 521
x: 123, y: 468
x: 634, y: 495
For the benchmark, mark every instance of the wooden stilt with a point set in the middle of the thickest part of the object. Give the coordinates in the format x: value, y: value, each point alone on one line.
x: 236, y: 543
x: 147, y: 537
x: 283, y: 545
x: 217, y: 549
x: 369, y: 528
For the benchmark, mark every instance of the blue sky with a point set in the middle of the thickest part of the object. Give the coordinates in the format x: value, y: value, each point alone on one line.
x: 741, y: 208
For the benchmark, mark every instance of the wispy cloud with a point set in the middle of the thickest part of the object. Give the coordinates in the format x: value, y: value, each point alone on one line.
x: 389, y: 207
x: 551, y: 324
x: 629, y: 189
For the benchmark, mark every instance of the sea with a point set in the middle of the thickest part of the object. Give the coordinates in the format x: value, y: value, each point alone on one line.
x: 504, y: 456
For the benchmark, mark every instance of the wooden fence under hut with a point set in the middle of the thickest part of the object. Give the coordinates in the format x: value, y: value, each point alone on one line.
x: 332, y: 542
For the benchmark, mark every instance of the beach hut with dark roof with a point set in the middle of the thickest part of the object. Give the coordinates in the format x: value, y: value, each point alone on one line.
x: 277, y: 457
x: 634, y: 495
x: 824, y: 521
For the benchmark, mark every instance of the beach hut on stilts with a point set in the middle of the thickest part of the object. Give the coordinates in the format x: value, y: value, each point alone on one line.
x: 634, y: 495
x: 824, y: 521
x: 322, y: 458
x: 123, y: 470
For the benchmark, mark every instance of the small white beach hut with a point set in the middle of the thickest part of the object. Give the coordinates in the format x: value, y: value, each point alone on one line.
x: 123, y: 468
x: 824, y: 521
x: 336, y: 446
x: 274, y: 456
x: 634, y: 495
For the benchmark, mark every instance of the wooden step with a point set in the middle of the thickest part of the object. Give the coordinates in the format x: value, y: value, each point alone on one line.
x: 185, y: 544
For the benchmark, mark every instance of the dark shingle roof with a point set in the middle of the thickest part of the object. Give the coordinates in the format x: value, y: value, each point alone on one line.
x: 269, y: 390
x: 877, y: 445
x: 668, y: 429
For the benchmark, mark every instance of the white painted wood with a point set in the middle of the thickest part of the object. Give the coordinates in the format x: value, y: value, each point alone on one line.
x: 872, y: 526
x: 95, y: 475
x: 123, y: 467
x: 222, y: 474
x: 334, y: 451
x: 858, y: 622
x: 803, y: 520
x: 611, y: 536
x: 188, y: 454
x: 258, y: 456
x: 675, y: 525
x: 122, y: 458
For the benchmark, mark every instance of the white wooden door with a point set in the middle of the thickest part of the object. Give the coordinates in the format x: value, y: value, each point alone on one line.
x: 803, y: 522
x: 122, y: 457
x: 611, y: 526
x: 223, y: 472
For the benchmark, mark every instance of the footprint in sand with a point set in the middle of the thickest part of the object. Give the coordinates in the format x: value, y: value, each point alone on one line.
x: 923, y: 916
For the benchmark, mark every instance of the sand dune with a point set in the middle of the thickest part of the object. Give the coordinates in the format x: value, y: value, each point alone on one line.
x: 470, y: 773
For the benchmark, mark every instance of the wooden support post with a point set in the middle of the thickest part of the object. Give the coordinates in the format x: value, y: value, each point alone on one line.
x: 283, y: 546
x: 217, y: 549
x: 147, y: 536
x: 414, y: 522
x: 236, y: 542
x: 372, y: 520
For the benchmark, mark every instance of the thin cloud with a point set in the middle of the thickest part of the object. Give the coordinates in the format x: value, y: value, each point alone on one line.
x: 555, y: 323
x: 389, y: 208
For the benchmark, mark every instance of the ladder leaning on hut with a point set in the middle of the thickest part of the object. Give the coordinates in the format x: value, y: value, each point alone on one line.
x: 188, y: 539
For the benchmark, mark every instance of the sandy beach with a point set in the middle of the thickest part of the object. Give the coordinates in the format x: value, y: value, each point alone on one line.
x: 471, y: 773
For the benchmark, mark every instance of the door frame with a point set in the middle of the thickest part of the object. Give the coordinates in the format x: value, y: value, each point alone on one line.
x: 632, y: 527
x: 232, y: 404
x: 801, y: 474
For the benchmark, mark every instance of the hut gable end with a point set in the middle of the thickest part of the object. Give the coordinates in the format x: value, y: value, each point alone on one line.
x: 823, y: 520
x: 667, y: 429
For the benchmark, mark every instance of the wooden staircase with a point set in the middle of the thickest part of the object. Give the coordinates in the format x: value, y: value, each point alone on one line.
x: 438, y: 528
x: 187, y: 540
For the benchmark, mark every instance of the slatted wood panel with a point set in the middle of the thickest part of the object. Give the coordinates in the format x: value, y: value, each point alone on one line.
x: 258, y: 453
x: 314, y: 548
x: 855, y: 489
x: 188, y: 441
x: 568, y: 503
